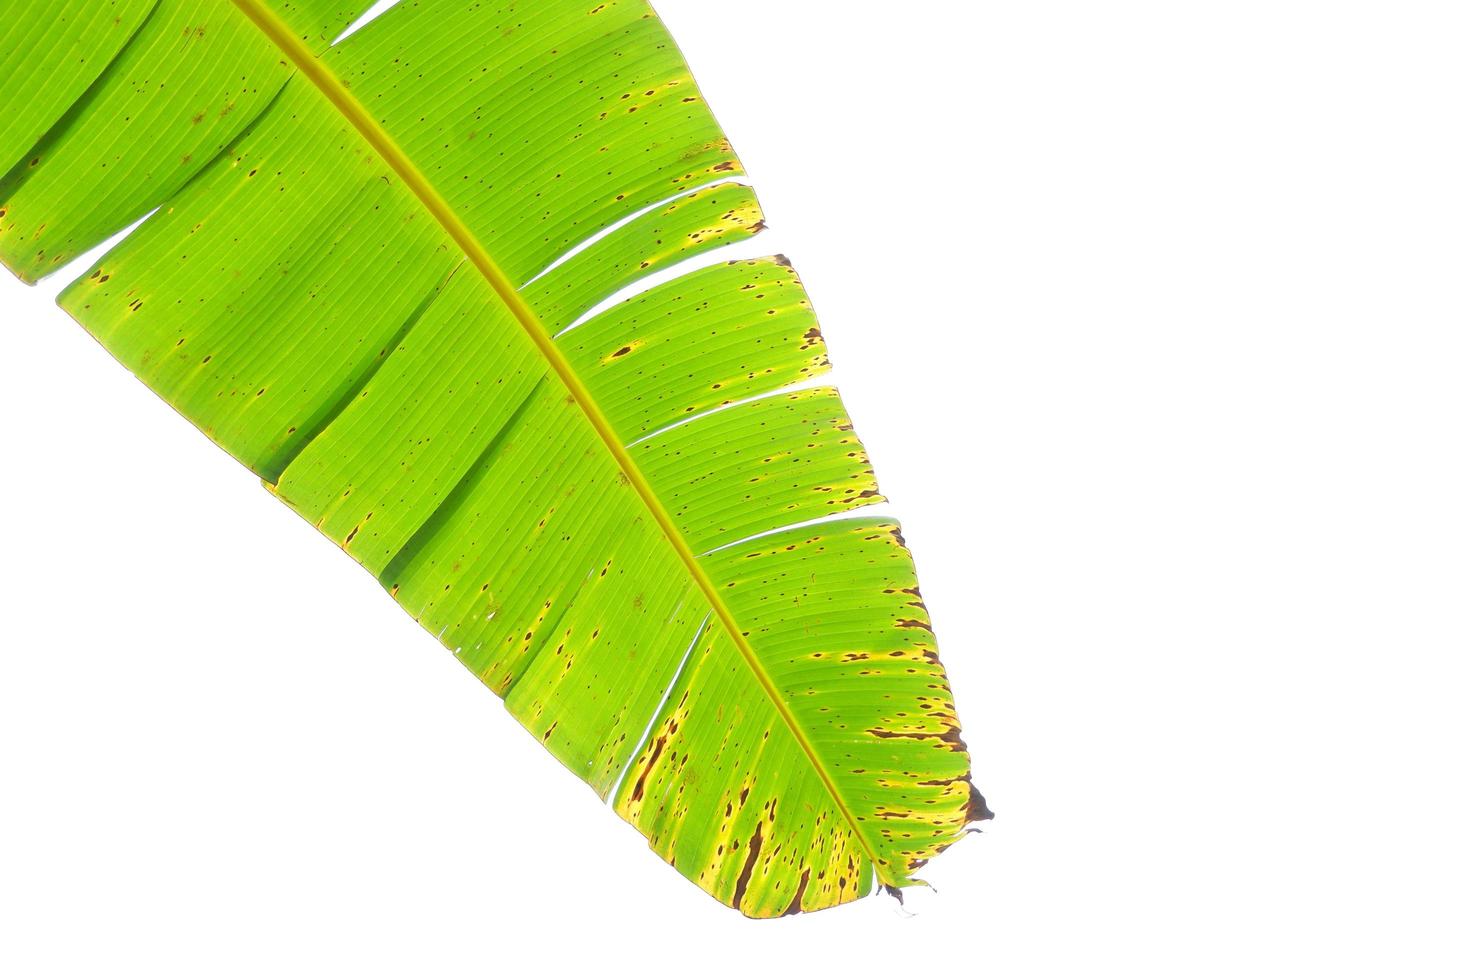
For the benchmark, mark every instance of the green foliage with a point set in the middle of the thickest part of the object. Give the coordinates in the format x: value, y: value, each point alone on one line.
x: 352, y: 285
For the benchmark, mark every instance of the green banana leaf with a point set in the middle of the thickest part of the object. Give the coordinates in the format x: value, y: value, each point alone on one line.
x: 367, y: 275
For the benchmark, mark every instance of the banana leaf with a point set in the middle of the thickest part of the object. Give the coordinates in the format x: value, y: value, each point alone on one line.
x: 375, y: 272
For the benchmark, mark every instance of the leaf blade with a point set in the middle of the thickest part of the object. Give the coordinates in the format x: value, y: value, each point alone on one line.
x: 527, y: 536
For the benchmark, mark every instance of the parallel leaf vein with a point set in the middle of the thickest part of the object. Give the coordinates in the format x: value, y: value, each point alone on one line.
x: 337, y: 93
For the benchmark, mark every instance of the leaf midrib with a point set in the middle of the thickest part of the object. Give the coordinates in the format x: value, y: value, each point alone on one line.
x: 338, y: 94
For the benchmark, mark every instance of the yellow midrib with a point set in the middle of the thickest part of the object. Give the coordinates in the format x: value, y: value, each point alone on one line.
x: 346, y: 103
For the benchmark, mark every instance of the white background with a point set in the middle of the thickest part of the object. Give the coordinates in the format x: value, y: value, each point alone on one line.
x: 1153, y: 316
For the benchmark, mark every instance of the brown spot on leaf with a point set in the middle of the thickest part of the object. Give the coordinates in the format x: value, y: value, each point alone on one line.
x: 977, y: 810
x: 658, y: 747
x: 750, y: 858
x: 795, y: 906
x: 950, y: 736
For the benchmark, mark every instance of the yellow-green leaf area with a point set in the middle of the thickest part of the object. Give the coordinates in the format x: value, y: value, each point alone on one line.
x: 378, y: 273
